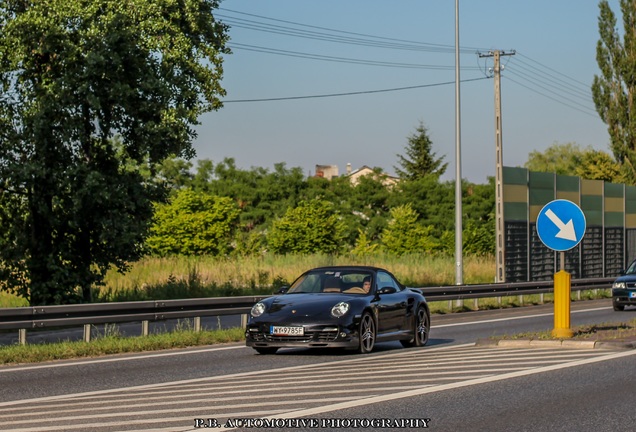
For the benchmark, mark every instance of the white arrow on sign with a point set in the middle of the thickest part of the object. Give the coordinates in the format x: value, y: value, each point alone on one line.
x: 566, y: 230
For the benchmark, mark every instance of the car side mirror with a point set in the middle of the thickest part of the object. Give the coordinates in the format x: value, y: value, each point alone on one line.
x: 387, y: 290
x: 282, y: 290
x: 622, y: 272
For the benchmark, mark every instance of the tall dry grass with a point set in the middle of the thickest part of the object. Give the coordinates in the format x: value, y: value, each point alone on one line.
x: 268, y: 270
x: 187, y: 277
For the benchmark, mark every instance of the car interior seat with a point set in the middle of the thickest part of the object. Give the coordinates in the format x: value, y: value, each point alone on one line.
x: 332, y: 284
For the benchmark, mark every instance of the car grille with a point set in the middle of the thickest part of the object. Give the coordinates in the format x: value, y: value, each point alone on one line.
x: 311, y: 335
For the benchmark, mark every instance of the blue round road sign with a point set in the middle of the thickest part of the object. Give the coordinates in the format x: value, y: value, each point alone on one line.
x: 561, y: 225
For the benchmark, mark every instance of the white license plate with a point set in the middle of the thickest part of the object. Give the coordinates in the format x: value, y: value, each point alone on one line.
x: 287, y: 331
x: 632, y: 294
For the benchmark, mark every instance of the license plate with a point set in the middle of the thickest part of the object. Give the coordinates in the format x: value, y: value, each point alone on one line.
x: 287, y: 331
x: 632, y: 294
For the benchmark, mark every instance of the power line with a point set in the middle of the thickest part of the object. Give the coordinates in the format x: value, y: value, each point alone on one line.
x: 554, y: 70
x: 537, y: 78
x: 559, y: 83
x: 549, y: 97
x: 297, y: 54
x: 351, y: 93
x: 532, y: 73
x: 551, y: 88
x: 397, y: 43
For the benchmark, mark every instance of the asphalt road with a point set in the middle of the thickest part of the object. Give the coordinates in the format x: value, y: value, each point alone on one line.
x: 593, y: 397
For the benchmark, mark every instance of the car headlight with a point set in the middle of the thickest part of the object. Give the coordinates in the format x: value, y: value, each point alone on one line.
x: 618, y: 285
x: 340, y: 309
x: 258, y: 309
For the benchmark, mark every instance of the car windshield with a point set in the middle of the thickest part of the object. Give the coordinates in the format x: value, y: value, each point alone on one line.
x: 333, y: 281
x: 632, y: 268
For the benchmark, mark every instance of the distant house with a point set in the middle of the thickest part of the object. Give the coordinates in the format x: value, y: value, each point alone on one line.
x: 354, y: 176
x: 331, y: 171
x: 327, y: 171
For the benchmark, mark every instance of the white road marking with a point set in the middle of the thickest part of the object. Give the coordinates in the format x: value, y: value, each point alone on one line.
x: 214, y: 378
x: 417, y: 392
x: 516, y: 318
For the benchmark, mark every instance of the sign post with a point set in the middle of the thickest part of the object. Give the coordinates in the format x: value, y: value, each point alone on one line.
x: 561, y: 226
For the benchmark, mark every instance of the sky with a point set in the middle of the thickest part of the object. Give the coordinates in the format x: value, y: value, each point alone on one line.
x: 333, y: 82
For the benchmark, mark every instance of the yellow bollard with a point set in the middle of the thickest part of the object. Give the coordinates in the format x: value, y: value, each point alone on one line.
x: 562, y: 288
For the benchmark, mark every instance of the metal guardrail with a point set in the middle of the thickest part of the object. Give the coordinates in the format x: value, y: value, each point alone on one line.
x: 101, y: 313
x: 461, y: 292
x: 37, y: 317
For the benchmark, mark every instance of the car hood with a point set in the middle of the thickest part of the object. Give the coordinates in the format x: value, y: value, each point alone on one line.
x: 626, y: 278
x: 304, y: 304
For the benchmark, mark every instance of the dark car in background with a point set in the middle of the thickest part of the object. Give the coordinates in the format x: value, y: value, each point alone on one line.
x: 624, y: 288
x: 349, y: 307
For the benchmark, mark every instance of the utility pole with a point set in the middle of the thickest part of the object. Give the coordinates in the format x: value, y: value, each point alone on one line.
x: 500, y: 248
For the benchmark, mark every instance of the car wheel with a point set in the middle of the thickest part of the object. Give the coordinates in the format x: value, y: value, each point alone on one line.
x: 619, y: 307
x: 367, y: 333
x: 265, y: 351
x: 421, y: 329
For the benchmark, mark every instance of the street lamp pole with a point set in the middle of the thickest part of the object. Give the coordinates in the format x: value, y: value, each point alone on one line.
x: 459, y: 273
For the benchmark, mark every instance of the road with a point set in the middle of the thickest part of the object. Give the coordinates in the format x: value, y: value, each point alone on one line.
x: 457, y: 385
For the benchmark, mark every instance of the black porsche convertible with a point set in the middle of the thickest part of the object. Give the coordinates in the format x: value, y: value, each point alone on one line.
x: 341, y: 307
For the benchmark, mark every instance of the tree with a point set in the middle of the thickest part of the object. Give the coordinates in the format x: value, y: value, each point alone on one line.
x: 311, y: 227
x: 614, y: 91
x: 76, y: 75
x: 570, y: 159
x: 558, y: 158
x: 193, y: 223
x: 419, y: 160
x: 598, y: 165
x: 433, y: 201
x: 405, y: 235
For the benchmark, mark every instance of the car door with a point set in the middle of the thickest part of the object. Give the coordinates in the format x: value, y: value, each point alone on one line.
x: 391, y: 306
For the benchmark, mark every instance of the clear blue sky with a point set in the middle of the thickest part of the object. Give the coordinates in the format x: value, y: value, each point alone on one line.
x: 293, y: 48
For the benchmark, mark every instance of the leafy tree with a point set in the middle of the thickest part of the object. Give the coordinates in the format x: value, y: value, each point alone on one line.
x: 363, y: 246
x: 598, y: 165
x: 174, y: 173
x: 614, y: 91
x: 262, y: 195
x: 419, y: 160
x: 433, y: 201
x: 570, y: 159
x: 478, y: 239
x: 74, y: 76
x: 405, y: 235
x: 193, y: 223
x: 479, y: 218
x: 558, y: 158
x: 311, y: 227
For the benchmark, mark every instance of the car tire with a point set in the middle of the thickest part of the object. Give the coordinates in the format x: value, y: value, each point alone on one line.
x: 421, y: 329
x: 266, y: 351
x: 619, y: 307
x: 367, y: 333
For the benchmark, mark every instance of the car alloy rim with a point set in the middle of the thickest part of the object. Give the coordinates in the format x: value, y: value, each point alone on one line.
x: 421, y: 325
x: 367, y: 332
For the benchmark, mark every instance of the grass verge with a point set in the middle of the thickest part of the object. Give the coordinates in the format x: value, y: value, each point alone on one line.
x: 612, y: 332
x: 116, y: 344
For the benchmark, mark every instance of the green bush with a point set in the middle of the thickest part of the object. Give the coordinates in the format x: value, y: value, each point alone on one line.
x: 193, y: 223
x: 405, y: 235
x: 311, y: 227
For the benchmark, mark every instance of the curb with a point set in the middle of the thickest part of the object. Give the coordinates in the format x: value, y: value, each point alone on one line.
x: 563, y: 343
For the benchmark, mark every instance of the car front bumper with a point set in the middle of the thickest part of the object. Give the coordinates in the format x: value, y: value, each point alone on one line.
x: 258, y: 335
x: 624, y: 296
